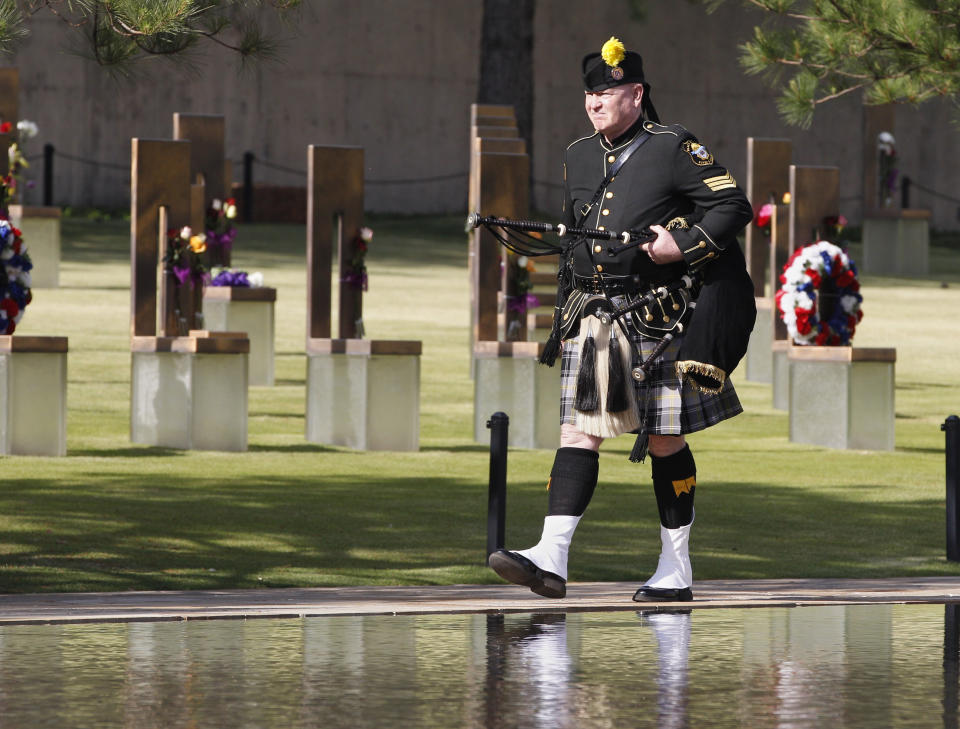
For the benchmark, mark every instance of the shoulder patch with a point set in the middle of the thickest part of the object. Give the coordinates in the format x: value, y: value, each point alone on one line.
x: 699, y: 154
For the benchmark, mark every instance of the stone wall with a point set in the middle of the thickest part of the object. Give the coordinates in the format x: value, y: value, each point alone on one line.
x: 398, y: 76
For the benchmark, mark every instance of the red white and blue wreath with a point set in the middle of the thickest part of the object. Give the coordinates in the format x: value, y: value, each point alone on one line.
x: 15, y: 266
x: 825, y: 268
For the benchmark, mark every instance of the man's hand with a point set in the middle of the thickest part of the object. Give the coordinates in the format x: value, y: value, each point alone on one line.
x: 664, y: 248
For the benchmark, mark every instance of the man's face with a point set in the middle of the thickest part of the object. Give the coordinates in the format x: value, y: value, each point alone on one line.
x: 613, y: 110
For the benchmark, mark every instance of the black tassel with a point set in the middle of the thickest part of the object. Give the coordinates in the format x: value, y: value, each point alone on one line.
x: 588, y: 398
x: 639, y: 451
x: 617, y: 400
x: 551, y: 349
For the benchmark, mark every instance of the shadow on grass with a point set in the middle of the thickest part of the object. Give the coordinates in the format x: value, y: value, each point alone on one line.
x: 146, y: 531
x: 476, y: 448
x: 132, y: 451
x: 917, y: 449
x: 292, y: 448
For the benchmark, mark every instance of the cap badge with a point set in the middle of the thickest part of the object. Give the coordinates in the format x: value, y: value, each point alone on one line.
x: 616, y: 73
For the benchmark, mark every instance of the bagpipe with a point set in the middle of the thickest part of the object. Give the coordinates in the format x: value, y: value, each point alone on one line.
x: 670, y: 304
x: 515, y: 236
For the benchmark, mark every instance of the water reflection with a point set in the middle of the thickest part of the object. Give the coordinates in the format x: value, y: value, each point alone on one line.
x: 850, y: 666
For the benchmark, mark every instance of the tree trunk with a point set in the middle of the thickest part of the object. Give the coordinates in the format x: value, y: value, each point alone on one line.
x: 506, y: 60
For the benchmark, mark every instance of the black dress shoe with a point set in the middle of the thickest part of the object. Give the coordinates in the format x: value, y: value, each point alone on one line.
x: 519, y: 570
x: 661, y: 594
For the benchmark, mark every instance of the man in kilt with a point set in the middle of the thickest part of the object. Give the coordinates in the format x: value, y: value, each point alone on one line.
x: 634, y: 173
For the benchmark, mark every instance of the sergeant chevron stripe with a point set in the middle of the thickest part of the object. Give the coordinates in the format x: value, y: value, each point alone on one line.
x: 721, y: 182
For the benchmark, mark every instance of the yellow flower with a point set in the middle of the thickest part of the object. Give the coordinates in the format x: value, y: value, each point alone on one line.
x: 613, y: 52
x: 198, y: 243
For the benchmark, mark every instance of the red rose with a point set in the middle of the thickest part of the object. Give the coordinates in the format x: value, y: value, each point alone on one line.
x: 845, y: 279
x: 814, y: 277
x: 821, y: 339
x: 763, y: 216
x: 6, y: 127
x: 10, y: 307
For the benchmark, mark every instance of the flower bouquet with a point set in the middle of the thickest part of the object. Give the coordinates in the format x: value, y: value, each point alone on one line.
x: 220, y: 232
x: 356, y: 273
x: 15, y: 268
x: 185, y: 275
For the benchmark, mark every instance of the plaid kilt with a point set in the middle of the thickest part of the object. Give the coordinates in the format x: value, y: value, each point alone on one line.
x: 670, y: 409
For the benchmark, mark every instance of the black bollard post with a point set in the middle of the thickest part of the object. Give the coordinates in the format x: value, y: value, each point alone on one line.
x: 499, y: 425
x: 905, y: 192
x: 248, y: 187
x: 48, y: 152
x: 952, y: 428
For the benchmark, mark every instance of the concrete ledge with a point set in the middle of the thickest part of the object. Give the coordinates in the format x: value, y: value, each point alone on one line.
x: 19, y: 343
x: 240, y: 293
x: 489, y: 350
x: 198, y: 342
x: 842, y: 397
x: 457, y: 599
x: 364, y: 394
x: 18, y: 212
x: 758, y: 361
x: 365, y: 347
x: 843, y: 354
x: 33, y: 396
x: 508, y: 377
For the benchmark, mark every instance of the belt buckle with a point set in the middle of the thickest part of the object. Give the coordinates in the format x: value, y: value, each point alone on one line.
x: 584, y: 209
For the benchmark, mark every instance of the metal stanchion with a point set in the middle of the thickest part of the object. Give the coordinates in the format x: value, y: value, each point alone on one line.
x: 499, y: 425
x: 48, y: 152
x: 952, y: 428
x: 247, y: 187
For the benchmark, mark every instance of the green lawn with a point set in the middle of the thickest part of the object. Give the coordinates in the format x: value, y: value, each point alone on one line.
x: 116, y: 516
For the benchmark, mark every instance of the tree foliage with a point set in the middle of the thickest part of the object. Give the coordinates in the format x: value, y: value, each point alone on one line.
x: 819, y: 50
x: 118, y: 32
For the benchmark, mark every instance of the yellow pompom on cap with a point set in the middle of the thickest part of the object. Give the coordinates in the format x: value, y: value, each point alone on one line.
x: 613, y: 52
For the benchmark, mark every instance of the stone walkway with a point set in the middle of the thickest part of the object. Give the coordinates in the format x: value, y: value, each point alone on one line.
x: 581, y: 597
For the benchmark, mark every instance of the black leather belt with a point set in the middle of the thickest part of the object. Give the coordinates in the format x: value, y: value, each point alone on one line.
x: 614, y: 285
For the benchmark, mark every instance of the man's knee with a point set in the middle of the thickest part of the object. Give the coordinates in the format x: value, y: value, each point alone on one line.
x: 571, y: 437
x: 663, y: 445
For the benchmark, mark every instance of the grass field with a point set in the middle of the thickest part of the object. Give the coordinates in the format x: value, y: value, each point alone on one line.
x: 116, y: 516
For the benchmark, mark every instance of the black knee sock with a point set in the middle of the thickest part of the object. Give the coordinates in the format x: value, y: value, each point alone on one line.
x: 573, y: 480
x: 674, y: 482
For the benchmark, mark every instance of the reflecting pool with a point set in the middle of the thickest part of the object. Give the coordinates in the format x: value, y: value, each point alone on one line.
x: 833, y: 666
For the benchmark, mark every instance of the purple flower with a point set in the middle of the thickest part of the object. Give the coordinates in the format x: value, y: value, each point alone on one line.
x: 182, y: 273
x: 231, y: 278
x: 357, y: 280
x: 520, y: 304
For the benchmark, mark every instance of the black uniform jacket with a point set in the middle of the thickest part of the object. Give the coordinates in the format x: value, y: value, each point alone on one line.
x: 670, y: 175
